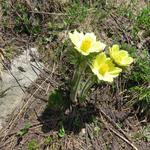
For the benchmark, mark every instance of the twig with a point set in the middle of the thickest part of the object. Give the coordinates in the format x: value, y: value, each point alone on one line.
x: 32, y: 66
x: 31, y: 127
x: 113, y: 124
x: 29, y: 78
x: 89, y: 132
x: 48, y: 13
x: 13, y: 77
x: 117, y: 134
x: 47, y: 88
x: 40, y: 98
x: 124, y: 139
x: 35, y: 60
x: 86, y: 136
x: 103, y: 121
x: 6, y: 143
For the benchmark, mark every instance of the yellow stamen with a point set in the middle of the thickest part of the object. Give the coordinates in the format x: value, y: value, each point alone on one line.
x: 103, y: 69
x: 86, y: 44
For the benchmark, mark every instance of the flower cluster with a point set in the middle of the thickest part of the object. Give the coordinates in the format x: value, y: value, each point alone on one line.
x: 105, y: 67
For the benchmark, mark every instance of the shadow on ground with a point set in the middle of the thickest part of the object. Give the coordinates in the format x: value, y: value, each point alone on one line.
x: 73, y: 118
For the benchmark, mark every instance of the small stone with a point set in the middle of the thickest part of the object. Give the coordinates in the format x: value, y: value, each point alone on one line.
x: 1, y: 126
x: 83, y: 131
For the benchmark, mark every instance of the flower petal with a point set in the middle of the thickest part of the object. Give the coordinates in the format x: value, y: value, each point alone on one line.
x: 104, y: 68
x: 97, y: 47
x: 101, y: 58
x: 86, y: 43
x: 115, y: 47
x: 107, y: 78
x: 76, y: 37
x: 123, y: 53
x: 85, y: 53
x: 115, y: 72
x: 121, y: 57
x: 91, y: 36
x: 127, y: 61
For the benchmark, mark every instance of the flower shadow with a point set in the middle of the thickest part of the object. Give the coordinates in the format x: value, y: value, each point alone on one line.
x: 73, y: 118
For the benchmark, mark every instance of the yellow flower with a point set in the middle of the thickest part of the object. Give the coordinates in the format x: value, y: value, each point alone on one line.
x: 121, y: 57
x: 86, y: 43
x: 104, y: 68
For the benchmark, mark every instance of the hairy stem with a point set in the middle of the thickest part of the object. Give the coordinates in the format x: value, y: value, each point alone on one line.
x: 88, y: 84
x: 77, y: 81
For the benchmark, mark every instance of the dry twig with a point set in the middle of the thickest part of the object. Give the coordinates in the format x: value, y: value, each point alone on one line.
x: 116, y: 133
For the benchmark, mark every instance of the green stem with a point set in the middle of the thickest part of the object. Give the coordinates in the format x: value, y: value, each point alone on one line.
x: 89, y: 83
x: 76, y: 81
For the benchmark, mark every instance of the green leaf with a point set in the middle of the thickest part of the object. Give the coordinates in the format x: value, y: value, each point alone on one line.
x: 146, y: 133
x: 33, y: 145
x: 61, y: 132
x: 24, y: 131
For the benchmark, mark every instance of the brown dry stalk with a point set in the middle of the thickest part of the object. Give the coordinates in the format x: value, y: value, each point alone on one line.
x: 114, y: 124
x: 124, y: 138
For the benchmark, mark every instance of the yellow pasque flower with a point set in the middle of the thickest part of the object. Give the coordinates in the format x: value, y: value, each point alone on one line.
x: 121, y: 57
x: 86, y: 43
x: 104, y: 68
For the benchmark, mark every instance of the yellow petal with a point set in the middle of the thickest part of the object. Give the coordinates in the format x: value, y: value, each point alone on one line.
x: 106, y: 77
x: 130, y: 60
x: 121, y: 57
x: 76, y: 37
x: 115, y: 47
x: 123, y: 54
x: 104, y: 68
x: 115, y: 72
x: 101, y: 58
x: 85, y: 53
x: 91, y: 36
x: 86, y: 43
x: 127, y: 61
x: 110, y: 63
x: 114, y: 50
x: 97, y: 47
